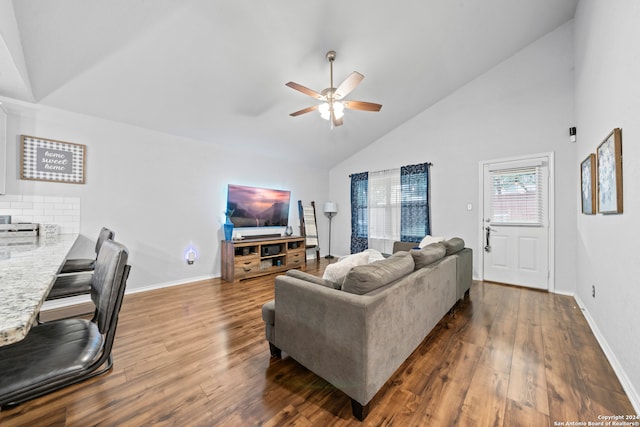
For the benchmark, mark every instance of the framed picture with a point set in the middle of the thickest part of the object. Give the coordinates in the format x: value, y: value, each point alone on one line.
x: 49, y: 160
x: 588, y: 184
x: 610, y: 173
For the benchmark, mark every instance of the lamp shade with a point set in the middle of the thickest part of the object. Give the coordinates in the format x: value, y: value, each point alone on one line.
x: 330, y: 207
x: 325, y: 110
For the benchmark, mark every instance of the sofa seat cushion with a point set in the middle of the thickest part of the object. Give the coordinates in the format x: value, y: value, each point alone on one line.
x: 363, y: 279
x: 313, y: 279
x: 428, y: 255
x: 453, y: 245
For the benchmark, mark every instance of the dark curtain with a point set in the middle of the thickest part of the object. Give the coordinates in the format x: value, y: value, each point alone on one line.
x: 359, y: 212
x: 414, y: 208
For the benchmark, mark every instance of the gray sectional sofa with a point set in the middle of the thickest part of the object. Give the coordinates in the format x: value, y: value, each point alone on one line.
x: 356, y: 334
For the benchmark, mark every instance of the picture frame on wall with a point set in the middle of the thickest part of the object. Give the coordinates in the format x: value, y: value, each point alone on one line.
x: 43, y: 159
x: 609, y: 160
x: 588, y: 184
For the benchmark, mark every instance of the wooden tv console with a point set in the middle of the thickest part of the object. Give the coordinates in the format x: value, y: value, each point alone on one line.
x: 243, y: 259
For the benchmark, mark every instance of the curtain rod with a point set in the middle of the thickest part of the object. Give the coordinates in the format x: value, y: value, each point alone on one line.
x: 385, y: 170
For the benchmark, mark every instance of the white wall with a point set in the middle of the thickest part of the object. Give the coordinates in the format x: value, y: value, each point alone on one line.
x: 158, y: 192
x: 522, y: 106
x: 607, y: 86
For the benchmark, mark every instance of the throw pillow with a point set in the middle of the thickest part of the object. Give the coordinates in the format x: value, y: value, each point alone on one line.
x: 428, y: 255
x: 453, y: 245
x: 337, y: 271
x: 374, y: 255
x: 313, y: 279
x: 363, y: 279
x: 427, y: 240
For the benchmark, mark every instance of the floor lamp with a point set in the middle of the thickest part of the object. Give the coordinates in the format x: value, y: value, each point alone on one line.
x: 330, y: 210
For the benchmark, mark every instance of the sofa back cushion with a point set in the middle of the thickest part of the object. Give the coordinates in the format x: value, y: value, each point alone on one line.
x: 453, y: 245
x: 428, y: 255
x: 404, y: 246
x: 363, y: 279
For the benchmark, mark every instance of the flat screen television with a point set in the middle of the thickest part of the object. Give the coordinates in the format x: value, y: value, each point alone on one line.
x: 258, y: 207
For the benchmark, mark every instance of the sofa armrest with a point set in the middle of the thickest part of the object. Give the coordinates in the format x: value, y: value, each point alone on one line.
x: 464, y: 271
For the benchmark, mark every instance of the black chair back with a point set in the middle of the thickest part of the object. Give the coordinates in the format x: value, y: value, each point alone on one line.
x: 109, y: 272
x: 105, y: 234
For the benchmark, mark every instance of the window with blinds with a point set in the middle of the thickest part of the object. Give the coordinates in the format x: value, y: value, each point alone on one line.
x: 384, y: 205
x: 516, y: 196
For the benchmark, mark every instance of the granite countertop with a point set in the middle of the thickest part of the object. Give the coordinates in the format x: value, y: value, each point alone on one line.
x: 28, y: 267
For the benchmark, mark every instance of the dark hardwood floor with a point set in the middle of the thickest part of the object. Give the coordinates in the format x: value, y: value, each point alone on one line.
x: 196, y: 355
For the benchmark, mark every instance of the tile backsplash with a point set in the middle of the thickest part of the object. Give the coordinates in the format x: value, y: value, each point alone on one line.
x: 63, y: 211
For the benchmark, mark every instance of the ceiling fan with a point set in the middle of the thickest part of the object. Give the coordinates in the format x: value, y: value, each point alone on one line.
x: 333, y: 105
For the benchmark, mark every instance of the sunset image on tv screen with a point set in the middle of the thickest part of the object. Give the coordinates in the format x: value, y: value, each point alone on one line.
x: 257, y: 207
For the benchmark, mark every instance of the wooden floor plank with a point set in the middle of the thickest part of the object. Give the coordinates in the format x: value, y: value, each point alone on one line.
x: 527, y: 381
x: 488, y: 390
x: 498, y: 349
x: 517, y: 415
x: 195, y: 355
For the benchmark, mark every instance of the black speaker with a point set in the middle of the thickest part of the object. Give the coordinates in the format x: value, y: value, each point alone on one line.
x: 268, y: 250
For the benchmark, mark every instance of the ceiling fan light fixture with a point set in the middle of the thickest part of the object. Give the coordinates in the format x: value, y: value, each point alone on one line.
x: 325, y: 110
x: 338, y: 109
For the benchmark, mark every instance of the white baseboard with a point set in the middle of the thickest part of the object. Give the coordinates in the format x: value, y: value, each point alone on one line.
x: 561, y: 292
x: 65, y: 312
x: 170, y: 284
x: 632, y: 393
x: 82, y: 300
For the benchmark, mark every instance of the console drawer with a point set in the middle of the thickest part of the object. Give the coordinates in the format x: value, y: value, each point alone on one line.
x: 246, y: 267
x: 295, y: 259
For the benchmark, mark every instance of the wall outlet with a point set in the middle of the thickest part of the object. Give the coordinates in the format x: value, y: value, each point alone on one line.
x: 593, y: 291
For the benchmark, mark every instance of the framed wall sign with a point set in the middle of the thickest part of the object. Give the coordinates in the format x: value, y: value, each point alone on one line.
x: 588, y: 184
x: 610, y: 173
x: 49, y: 160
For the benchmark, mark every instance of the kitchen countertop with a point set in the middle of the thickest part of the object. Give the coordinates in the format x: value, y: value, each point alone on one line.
x: 28, y: 267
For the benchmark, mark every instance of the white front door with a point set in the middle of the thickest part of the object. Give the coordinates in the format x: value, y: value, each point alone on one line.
x: 516, y: 222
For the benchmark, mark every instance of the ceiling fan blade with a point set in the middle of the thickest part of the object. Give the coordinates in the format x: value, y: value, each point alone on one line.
x: 334, y: 120
x: 348, y: 85
x: 312, y: 93
x: 304, y: 110
x: 361, y: 105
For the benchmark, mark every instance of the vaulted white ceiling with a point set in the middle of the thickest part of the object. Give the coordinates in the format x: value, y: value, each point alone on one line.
x: 216, y: 70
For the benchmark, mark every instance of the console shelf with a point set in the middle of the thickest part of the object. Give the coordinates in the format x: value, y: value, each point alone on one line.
x: 243, y: 259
